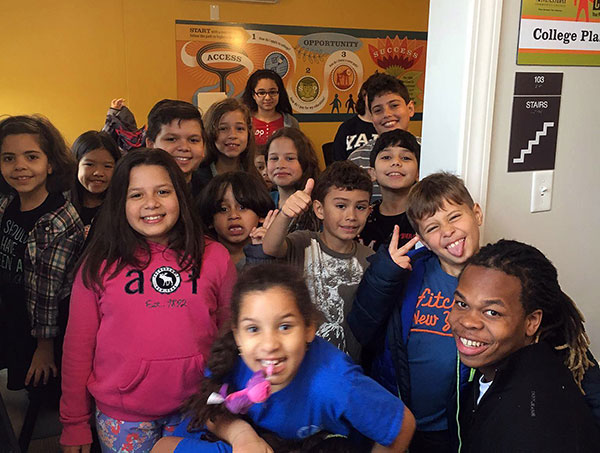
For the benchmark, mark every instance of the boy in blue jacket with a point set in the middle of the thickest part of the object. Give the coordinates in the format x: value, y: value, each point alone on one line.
x: 401, y: 308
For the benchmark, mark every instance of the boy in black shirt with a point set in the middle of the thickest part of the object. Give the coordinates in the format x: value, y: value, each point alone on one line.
x: 395, y: 166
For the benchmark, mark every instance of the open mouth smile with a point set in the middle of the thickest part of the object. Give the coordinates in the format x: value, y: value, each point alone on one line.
x: 471, y: 343
x: 236, y: 230
x: 470, y: 347
x: 153, y: 218
x: 273, y: 366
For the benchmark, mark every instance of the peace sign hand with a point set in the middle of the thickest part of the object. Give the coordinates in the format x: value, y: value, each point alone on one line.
x: 258, y: 233
x: 398, y: 254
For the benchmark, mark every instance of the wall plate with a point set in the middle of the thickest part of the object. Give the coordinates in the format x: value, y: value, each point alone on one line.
x: 541, y: 190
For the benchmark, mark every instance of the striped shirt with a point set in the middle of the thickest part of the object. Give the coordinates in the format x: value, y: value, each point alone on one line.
x: 361, y: 157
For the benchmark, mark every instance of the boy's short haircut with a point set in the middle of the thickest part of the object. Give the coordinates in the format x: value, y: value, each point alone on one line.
x: 428, y: 196
x: 344, y: 175
x: 167, y: 110
x: 397, y: 137
x: 381, y: 84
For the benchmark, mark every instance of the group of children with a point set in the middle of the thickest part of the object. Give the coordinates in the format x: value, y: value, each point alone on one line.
x: 169, y: 350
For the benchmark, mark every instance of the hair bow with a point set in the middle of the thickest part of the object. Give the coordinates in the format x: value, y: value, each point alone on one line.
x: 257, y: 390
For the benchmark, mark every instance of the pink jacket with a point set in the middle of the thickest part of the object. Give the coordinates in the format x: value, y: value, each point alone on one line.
x: 139, y: 347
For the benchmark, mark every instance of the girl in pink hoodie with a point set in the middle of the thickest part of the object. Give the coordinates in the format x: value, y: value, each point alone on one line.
x: 148, y: 299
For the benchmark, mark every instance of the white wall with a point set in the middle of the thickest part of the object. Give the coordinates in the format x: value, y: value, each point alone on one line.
x: 569, y: 234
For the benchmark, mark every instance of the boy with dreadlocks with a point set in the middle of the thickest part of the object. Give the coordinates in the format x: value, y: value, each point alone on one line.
x: 512, y: 322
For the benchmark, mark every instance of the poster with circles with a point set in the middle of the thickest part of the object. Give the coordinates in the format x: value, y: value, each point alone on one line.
x: 322, y: 68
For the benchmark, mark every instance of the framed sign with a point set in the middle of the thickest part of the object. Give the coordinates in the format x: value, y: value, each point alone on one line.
x: 534, y: 128
x: 559, y: 33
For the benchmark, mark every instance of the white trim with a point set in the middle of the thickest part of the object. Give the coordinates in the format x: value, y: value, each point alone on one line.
x: 481, y: 92
x: 460, y: 85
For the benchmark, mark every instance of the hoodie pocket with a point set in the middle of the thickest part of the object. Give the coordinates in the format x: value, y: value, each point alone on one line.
x: 161, y: 386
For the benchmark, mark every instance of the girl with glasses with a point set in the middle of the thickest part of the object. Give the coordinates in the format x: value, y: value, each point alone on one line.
x: 269, y: 104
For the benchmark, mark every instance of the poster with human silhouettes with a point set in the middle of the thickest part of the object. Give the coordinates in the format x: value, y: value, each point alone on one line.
x: 322, y: 69
x: 559, y: 33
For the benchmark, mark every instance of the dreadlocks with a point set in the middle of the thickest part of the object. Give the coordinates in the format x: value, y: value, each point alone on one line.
x: 562, y: 322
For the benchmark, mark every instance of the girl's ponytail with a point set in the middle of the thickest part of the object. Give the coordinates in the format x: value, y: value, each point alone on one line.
x: 223, y: 357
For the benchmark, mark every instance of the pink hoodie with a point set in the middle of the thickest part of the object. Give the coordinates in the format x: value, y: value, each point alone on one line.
x: 139, y: 347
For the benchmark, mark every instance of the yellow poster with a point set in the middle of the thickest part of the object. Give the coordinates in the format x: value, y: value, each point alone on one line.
x: 322, y: 69
x: 559, y: 33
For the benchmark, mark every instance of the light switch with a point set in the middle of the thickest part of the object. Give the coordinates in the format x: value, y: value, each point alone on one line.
x: 541, y: 190
x: 214, y: 12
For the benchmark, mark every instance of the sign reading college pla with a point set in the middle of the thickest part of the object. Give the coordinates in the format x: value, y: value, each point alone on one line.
x: 559, y: 33
x: 322, y: 69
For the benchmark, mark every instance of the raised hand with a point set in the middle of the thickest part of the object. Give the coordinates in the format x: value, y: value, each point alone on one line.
x: 398, y: 254
x: 117, y: 104
x: 299, y: 202
x: 258, y: 233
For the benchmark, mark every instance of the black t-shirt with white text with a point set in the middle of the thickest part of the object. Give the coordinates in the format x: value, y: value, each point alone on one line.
x: 351, y: 135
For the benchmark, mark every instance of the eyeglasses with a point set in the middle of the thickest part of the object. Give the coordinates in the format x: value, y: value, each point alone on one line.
x: 262, y: 94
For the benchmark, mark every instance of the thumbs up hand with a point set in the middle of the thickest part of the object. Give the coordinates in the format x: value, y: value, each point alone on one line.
x: 299, y: 202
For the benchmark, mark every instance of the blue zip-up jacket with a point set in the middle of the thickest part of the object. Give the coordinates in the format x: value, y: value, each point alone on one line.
x: 381, y: 318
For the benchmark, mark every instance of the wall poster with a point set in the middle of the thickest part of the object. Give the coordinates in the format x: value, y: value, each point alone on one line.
x: 559, y: 33
x: 322, y: 69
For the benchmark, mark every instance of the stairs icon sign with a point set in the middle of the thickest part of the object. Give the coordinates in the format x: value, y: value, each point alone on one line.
x: 534, y: 142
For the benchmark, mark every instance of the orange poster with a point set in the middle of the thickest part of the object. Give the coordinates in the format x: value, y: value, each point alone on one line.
x: 322, y: 69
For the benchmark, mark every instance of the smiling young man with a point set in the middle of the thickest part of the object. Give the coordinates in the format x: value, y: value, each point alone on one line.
x: 332, y: 260
x: 395, y: 166
x: 512, y: 322
x: 400, y: 313
x: 391, y: 108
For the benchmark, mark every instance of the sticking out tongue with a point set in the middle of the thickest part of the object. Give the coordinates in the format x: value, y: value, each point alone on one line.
x: 270, y: 370
x: 456, y: 249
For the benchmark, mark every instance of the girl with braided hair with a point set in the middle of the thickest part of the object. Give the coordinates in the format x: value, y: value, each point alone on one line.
x: 525, y: 337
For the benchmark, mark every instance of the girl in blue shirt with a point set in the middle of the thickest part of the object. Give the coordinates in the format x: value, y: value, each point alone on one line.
x: 313, y: 386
